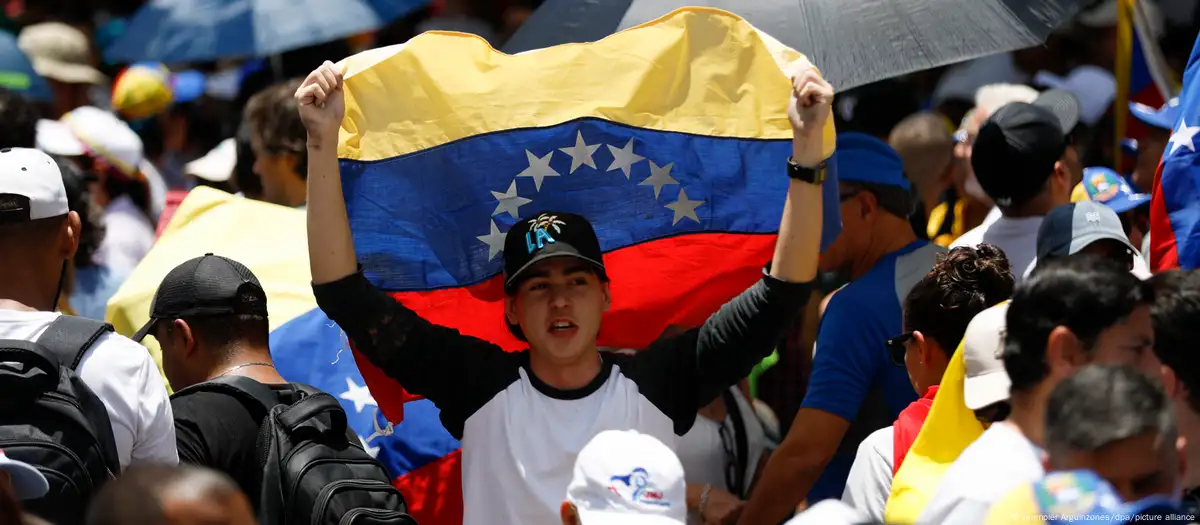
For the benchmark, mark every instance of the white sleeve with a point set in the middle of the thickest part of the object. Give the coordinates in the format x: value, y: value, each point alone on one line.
x: 964, y: 511
x: 123, y: 375
x: 870, y: 481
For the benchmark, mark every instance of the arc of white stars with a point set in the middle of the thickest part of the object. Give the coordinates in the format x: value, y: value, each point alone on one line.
x: 1185, y: 137
x: 581, y: 153
x: 624, y: 158
x: 659, y: 177
x: 509, y: 201
x: 539, y: 168
x: 684, y: 207
x: 359, y: 395
x: 494, y: 240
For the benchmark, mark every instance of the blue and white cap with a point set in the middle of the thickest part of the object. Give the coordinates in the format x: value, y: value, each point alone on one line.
x: 1162, y: 118
x: 1109, y: 188
x: 623, y: 477
x: 1083, y: 497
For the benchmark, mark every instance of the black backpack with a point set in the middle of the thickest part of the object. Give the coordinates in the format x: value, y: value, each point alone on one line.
x: 315, y: 471
x: 50, y: 419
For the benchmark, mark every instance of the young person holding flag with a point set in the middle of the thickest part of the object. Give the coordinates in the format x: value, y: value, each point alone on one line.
x: 523, y: 417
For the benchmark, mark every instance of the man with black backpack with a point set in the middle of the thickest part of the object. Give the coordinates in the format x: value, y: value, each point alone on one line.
x: 286, y: 445
x: 79, y: 401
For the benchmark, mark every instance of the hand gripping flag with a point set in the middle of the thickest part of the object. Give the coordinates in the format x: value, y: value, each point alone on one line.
x: 671, y: 138
x: 1175, y: 206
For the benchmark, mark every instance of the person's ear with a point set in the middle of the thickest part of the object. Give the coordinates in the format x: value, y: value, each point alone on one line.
x: 1171, y: 383
x: 924, y: 349
x: 1064, y: 352
x: 607, y: 296
x: 1181, y: 444
x: 510, y: 309
x: 187, y: 340
x: 569, y: 515
x: 867, y: 203
x: 72, y: 229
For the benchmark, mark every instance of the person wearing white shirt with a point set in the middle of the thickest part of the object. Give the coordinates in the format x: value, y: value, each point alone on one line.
x: 1023, y: 159
x: 1069, y: 313
x: 37, y: 236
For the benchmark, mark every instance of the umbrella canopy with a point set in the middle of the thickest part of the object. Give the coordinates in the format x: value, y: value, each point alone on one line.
x: 174, y: 31
x: 854, y: 42
x: 16, y: 71
x: 269, y: 239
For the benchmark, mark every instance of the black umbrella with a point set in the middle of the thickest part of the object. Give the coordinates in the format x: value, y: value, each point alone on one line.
x: 854, y: 42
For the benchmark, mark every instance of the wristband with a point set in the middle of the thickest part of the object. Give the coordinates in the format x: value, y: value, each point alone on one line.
x: 815, y: 175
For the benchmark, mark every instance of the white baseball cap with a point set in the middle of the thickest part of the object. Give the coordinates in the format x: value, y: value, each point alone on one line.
x: 26, y: 480
x: 31, y: 186
x: 623, y: 477
x: 986, y: 380
x: 56, y: 138
x: 217, y: 165
x: 108, y: 137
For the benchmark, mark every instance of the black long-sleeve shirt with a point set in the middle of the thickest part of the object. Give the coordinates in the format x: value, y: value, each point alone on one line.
x: 520, y: 436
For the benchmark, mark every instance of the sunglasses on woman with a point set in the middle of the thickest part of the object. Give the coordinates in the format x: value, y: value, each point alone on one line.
x: 896, y: 347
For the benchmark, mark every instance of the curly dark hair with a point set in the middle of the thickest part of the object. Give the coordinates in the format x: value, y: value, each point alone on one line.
x: 962, y: 283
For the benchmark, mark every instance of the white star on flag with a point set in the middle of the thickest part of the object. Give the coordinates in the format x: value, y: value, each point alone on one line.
x: 373, y: 451
x: 359, y: 395
x: 509, y: 201
x: 684, y: 208
x: 659, y: 177
x: 539, y: 168
x: 494, y: 239
x: 1185, y: 136
x: 581, y: 153
x: 624, y: 158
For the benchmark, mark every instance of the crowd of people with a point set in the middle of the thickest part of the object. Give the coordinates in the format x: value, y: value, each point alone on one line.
x: 988, y: 231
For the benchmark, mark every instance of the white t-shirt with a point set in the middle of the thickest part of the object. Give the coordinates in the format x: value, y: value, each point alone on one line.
x: 870, y: 481
x: 1141, y: 269
x: 1000, y: 460
x: 123, y: 375
x: 128, y: 236
x: 1017, y: 237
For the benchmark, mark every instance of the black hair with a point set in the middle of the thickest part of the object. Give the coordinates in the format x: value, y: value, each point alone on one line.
x: 91, y: 215
x: 962, y: 283
x: 1176, y: 318
x: 1103, y: 404
x: 136, y: 496
x: 1084, y: 293
x: 18, y: 120
x: 892, y: 199
x: 244, y: 177
x: 221, y: 332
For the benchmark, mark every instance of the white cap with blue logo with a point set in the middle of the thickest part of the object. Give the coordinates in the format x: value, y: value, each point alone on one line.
x: 623, y: 477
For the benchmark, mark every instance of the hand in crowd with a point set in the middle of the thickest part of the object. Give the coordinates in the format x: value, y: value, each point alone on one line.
x: 808, y: 111
x: 722, y: 508
x: 322, y: 104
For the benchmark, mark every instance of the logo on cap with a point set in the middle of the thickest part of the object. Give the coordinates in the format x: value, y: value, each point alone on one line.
x: 539, y: 234
x: 1106, y: 186
x: 643, y: 490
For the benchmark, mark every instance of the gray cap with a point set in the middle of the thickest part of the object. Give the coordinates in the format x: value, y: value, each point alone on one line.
x: 1070, y: 228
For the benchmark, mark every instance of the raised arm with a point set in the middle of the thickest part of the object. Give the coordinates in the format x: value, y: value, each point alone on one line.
x: 330, y: 245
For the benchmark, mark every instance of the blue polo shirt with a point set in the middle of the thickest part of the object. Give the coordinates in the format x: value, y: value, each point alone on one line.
x: 852, y: 376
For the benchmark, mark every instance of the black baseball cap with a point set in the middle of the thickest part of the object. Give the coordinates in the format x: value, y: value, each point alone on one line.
x: 550, y: 234
x: 1016, y: 148
x: 206, y: 286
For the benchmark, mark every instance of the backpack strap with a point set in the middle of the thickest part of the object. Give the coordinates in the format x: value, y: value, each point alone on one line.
x: 251, y: 393
x: 69, y: 337
x: 740, y: 445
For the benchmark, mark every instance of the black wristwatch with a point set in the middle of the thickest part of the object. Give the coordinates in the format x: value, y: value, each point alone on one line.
x: 815, y: 175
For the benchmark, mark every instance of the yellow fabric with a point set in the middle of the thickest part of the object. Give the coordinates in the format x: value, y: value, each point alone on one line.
x: 271, y: 240
x: 948, y: 429
x: 142, y: 91
x: 717, y: 75
x: 1079, y: 194
x: 1018, y: 506
x: 937, y: 218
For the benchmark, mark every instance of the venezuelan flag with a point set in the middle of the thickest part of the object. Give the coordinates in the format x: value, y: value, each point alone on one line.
x: 1175, y: 204
x: 671, y: 137
x: 1142, y: 73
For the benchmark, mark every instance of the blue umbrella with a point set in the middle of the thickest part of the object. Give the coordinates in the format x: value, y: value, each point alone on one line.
x: 173, y: 31
x: 16, y: 72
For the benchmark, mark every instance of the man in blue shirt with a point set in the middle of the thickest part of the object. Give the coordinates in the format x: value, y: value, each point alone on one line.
x: 854, y: 388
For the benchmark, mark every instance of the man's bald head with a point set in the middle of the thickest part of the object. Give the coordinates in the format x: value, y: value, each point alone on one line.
x: 926, y: 147
x: 170, y: 495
